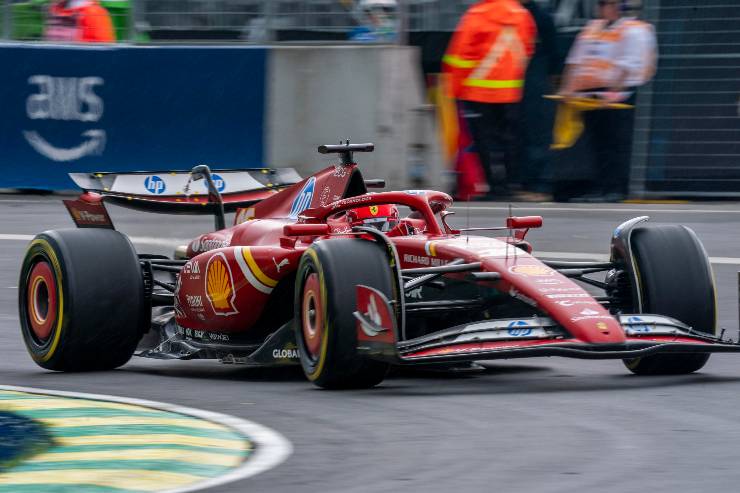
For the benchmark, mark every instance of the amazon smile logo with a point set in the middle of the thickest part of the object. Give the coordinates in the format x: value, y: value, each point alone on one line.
x: 66, y: 99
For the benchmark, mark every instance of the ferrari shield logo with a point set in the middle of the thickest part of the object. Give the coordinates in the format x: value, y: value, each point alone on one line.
x: 374, y: 210
x: 220, y: 286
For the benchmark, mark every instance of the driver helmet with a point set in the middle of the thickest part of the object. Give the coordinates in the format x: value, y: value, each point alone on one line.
x: 381, y: 217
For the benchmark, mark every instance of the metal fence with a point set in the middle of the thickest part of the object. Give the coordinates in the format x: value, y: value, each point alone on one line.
x: 259, y: 20
x: 687, y: 137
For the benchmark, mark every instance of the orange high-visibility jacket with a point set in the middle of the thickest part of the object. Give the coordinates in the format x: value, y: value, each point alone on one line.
x: 489, y: 52
x: 80, y: 20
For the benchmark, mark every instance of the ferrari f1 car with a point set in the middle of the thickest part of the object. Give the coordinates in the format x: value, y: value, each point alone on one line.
x: 319, y: 271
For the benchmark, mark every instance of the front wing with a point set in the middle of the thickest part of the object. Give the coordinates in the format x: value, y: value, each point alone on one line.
x: 645, y: 335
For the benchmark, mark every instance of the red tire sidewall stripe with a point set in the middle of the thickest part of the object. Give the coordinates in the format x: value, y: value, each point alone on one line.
x: 41, y: 274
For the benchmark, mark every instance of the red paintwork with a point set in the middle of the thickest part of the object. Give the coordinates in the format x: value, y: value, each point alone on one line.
x: 272, y: 257
x: 476, y: 347
x: 42, y: 323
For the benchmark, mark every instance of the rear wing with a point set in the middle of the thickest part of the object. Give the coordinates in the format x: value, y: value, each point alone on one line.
x: 175, y: 192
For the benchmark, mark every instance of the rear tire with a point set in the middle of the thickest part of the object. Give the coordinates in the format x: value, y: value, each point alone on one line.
x: 325, y: 298
x: 675, y: 279
x: 81, y: 300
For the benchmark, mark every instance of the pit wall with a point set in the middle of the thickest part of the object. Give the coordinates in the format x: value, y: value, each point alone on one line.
x: 130, y: 108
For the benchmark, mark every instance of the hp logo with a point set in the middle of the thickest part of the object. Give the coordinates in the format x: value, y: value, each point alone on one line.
x: 637, y: 328
x: 155, y: 185
x: 219, y: 182
x: 519, y: 328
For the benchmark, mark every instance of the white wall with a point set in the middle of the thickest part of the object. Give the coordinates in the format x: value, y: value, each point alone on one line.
x: 321, y: 94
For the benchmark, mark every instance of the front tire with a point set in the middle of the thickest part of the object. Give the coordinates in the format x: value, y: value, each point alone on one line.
x: 675, y: 279
x: 325, y: 298
x: 81, y: 300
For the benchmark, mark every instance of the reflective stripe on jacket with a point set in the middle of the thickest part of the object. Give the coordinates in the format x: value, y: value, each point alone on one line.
x: 488, y: 54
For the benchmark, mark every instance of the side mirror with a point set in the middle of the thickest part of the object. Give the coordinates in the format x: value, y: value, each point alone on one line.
x: 524, y: 222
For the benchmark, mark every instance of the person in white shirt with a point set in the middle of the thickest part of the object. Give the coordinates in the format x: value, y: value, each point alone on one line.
x: 609, y: 60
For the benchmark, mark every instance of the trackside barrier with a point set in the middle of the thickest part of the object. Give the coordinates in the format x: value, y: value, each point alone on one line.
x: 127, y: 108
x: 320, y: 94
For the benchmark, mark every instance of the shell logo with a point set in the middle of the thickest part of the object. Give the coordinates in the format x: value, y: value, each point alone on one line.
x: 220, y: 286
x: 532, y: 270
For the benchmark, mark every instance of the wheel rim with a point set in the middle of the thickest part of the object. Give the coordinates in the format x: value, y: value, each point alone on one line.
x: 312, y: 316
x: 41, y: 301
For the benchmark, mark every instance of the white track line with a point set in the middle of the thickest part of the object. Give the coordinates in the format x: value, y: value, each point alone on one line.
x: 271, y: 448
x: 596, y: 257
x: 142, y: 240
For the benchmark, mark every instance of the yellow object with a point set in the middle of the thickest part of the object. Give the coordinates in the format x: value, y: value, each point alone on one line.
x: 569, y: 118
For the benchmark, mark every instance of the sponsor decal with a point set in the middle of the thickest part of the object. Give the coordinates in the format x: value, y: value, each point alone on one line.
x: 416, y: 192
x: 637, y: 328
x: 514, y: 293
x: 219, y: 182
x: 252, y: 271
x: 602, y: 327
x: 155, y: 185
x: 549, y: 281
x: 88, y: 215
x: 589, y: 311
x: 374, y: 210
x: 285, y: 354
x: 574, y: 303
x: 220, y: 286
x: 591, y: 317
x: 567, y: 295
x: 280, y: 265
x: 532, y: 270
x: 302, y: 201
x: 66, y: 99
x: 374, y: 315
x: 202, y: 244
x: 415, y: 294
x: 352, y: 201
x: 572, y: 289
x: 194, y: 300
x: 192, y: 269
x: 204, y: 335
x: 340, y: 171
x: 423, y: 260
x: 519, y: 328
x: 324, y: 199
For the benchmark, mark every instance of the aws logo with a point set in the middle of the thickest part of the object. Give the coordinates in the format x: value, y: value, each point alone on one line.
x: 303, y: 200
x: 66, y: 99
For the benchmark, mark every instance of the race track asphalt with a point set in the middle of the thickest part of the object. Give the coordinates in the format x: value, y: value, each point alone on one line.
x: 548, y: 425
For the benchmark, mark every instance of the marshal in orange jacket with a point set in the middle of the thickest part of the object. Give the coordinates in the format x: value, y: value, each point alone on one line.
x: 79, y: 21
x: 489, y: 52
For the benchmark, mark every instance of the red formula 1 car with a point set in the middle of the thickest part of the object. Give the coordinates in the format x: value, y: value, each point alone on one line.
x: 349, y: 283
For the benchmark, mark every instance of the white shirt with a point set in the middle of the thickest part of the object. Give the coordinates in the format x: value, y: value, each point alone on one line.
x: 601, y: 54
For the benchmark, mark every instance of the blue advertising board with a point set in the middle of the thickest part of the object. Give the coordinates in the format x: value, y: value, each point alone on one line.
x: 126, y: 108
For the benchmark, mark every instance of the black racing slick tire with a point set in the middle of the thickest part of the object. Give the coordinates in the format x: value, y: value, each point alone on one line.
x: 325, y: 299
x: 675, y: 279
x: 81, y: 300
